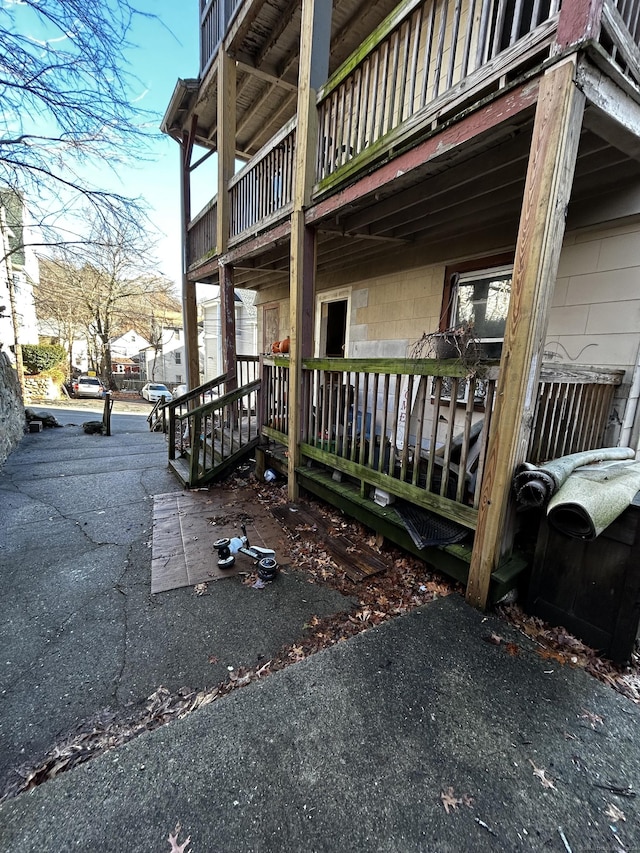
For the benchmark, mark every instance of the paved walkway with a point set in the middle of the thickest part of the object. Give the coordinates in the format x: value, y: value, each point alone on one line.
x: 416, y: 735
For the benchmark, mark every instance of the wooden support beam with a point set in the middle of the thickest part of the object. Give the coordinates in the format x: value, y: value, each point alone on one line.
x: 228, y: 326
x: 189, y: 307
x: 579, y: 21
x: 278, y: 82
x: 315, y: 36
x: 226, y: 144
x: 554, y: 148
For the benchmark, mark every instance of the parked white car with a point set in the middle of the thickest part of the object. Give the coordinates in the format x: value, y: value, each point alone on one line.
x: 153, y: 391
x: 87, y: 386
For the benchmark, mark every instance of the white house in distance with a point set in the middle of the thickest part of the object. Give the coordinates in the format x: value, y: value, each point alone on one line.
x: 19, y: 260
x: 128, y: 345
x: 246, y: 330
x: 125, y: 354
x: 166, y: 361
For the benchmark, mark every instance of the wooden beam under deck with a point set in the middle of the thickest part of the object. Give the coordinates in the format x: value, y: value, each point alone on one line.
x: 552, y: 161
x: 442, y: 146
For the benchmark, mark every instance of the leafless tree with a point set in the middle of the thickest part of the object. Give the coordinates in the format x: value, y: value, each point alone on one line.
x: 67, y: 101
x: 104, y: 287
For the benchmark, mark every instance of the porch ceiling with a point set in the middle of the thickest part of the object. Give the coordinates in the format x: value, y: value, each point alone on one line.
x: 264, y: 39
x: 449, y: 208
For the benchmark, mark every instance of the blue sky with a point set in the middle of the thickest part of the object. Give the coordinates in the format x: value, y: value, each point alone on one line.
x: 165, y: 50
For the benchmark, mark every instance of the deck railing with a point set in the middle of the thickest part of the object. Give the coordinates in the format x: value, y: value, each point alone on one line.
x: 215, y: 17
x: 263, y: 189
x: 393, y: 425
x: 413, y: 428
x: 180, y: 413
x: 427, y: 57
x: 572, y: 411
x: 620, y: 35
x: 201, y: 233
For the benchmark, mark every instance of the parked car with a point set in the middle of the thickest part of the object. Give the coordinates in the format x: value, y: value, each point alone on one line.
x: 87, y: 386
x: 153, y: 391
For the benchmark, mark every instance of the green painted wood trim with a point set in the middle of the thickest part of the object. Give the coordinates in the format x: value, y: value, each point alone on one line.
x: 409, y: 366
x: 231, y: 397
x: 383, y: 520
x: 382, y: 31
x: 275, y: 435
x: 467, y: 516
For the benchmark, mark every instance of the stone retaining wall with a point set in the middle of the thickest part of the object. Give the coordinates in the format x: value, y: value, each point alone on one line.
x: 12, y: 421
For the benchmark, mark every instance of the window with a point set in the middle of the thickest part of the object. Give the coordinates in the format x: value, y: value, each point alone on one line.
x: 178, y: 357
x: 481, y: 299
x: 477, y: 294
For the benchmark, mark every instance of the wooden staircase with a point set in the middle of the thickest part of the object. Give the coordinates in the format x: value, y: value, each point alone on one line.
x: 213, y: 427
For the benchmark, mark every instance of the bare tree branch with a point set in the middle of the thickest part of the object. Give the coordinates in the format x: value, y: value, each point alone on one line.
x: 68, y: 98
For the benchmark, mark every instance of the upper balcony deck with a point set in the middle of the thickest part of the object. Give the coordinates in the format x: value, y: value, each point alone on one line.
x: 428, y: 64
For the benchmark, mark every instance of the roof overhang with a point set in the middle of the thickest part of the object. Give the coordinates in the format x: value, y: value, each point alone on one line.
x: 181, y: 102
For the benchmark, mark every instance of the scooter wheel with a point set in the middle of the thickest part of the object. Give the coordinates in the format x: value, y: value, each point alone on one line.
x: 267, y: 568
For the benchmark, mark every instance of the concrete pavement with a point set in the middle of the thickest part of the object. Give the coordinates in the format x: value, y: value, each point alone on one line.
x: 418, y: 735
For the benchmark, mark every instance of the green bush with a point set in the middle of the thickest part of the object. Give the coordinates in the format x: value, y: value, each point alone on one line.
x: 40, y: 357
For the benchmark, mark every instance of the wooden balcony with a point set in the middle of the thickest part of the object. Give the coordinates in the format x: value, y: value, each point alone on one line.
x: 428, y: 62
x: 215, y: 17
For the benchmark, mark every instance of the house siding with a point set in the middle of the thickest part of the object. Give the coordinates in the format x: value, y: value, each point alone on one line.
x: 595, y: 315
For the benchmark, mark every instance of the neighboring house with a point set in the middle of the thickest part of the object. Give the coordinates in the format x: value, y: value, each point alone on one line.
x: 125, y: 367
x: 127, y: 345
x: 164, y: 362
x: 246, y: 324
x: 412, y: 169
x: 19, y: 259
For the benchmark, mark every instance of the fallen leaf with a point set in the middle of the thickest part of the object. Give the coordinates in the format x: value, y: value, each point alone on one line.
x: 213, y: 659
x: 173, y: 841
x: 200, y: 589
x: 512, y: 649
x: 450, y: 801
x: 615, y: 813
x: 494, y: 639
x: 591, y: 718
x: 541, y: 775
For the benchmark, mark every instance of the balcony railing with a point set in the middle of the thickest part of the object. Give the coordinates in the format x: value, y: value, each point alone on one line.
x: 426, y: 57
x: 392, y: 425
x: 201, y: 233
x: 427, y: 61
x: 620, y: 35
x: 263, y: 189
x: 215, y: 17
x: 419, y: 429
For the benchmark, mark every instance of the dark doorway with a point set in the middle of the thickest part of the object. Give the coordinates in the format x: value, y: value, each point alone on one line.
x: 336, y: 328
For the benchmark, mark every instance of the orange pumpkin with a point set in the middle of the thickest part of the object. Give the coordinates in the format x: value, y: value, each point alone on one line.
x: 284, y: 345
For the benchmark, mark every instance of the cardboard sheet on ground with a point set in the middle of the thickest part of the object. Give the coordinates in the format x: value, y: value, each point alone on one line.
x: 593, y: 497
x: 186, y: 524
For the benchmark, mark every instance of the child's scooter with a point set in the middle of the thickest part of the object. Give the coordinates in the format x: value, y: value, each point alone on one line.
x: 228, y: 548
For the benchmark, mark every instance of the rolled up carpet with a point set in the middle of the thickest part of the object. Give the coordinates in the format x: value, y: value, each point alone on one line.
x: 535, y: 484
x: 592, y: 498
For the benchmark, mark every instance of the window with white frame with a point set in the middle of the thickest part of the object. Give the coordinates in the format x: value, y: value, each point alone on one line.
x: 480, y: 299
